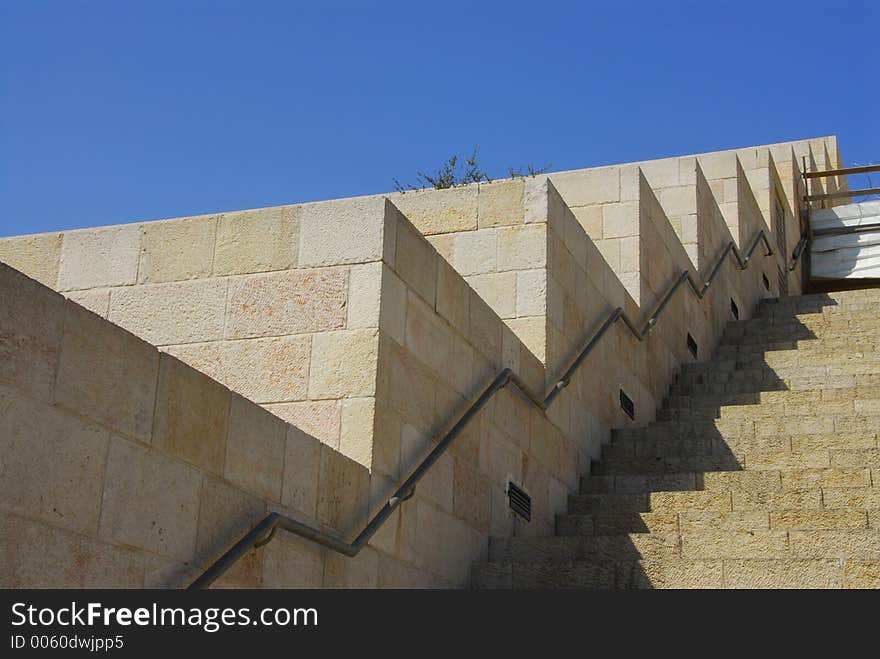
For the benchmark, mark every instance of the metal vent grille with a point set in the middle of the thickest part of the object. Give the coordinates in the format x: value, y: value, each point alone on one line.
x: 627, y: 405
x: 766, y: 281
x: 692, y: 345
x: 520, y: 502
x: 734, y: 309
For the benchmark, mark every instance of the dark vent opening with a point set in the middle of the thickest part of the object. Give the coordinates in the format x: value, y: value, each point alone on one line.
x: 627, y: 405
x: 692, y: 345
x: 766, y: 281
x: 734, y: 309
x: 520, y: 502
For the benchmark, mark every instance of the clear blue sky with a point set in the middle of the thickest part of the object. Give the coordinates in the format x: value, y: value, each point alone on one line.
x: 119, y: 111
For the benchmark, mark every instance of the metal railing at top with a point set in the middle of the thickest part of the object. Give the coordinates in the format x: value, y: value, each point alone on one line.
x: 862, y: 169
x: 263, y: 532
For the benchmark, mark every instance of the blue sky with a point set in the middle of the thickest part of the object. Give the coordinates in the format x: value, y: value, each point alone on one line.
x: 120, y: 111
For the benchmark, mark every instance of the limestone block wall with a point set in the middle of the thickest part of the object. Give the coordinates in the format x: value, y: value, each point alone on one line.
x: 267, y: 302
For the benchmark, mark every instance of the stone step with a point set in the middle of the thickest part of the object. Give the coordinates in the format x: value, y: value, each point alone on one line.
x: 764, y: 345
x: 736, y: 430
x: 738, y: 490
x: 770, y: 333
x: 736, y: 385
x: 805, y: 318
x: 771, y: 398
x: 651, y: 445
x: 680, y: 574
x: 843, y: 539
x: 803, y: 361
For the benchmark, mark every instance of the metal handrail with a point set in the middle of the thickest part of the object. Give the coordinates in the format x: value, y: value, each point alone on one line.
x: 263, y: 532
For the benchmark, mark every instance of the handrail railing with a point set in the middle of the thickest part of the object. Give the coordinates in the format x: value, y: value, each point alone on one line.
x: 265, y: 530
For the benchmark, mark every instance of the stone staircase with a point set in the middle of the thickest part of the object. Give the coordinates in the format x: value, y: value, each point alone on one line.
x: 762, y: 469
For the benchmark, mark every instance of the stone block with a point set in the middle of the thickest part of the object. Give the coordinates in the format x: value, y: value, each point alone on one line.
x: 293, y: 562
x: 257, y: 241
x: 364, y: 295
x: 783, y: 574
x: 361, y: 571
x: 30, y: 333
x: 498, y: 290
x: 106, y: 374
x: 471, y: 496
x: 96, y: 300
x: 100, y: 257
x: 319, y: 418
x: 440, y: 211
x: 176, y: 312
x: 531, y: 293
x: 428, y: 338
x: 416, y: 262
x: 192, y: 413
x: 255, y: 448
x: 620, y: 220
x: 174, y: 250
x: 38, y: 256
x: 52, y: 463
x: 64, y: 559
x: 522, y: 248
x: 501, y: 203
x: 225, y: 515
x: 590, y: 186
x: 475, y: 252
x: 342, y: 232
x: 264, y: 370
x: 393, y: 305
x: 302, y: 465
x: 344, y: 364
x: 151, y: 501
x: 343, y: 492
x: 284, y: 303
x: 452, y: 297
x: 356, y: 429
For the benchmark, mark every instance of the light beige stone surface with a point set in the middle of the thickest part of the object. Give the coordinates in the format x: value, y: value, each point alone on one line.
x: 106, y: 374
x: 257, y: 241
x: 52, y: 466
x: 320, y: 419
x: 192, y: 414
x: 38, y: 256
x: 30, y: 333
x: 267, y: 370
x: 177, y: 312
x: 440, y: 211
x: 291, y: 302
x: 255, y: 449
x: 341, y: 232
x: 343, y: 364
x: 177, y: 249
x: 150, y: 501
x: 501, y: 203
x: 100, y: 257
x: 302, y: 464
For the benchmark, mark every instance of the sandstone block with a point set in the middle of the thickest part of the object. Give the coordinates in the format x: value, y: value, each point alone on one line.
x: 151, y: 501
x: 38, y: 256
x: 452, y: 297
x: 293, y: 562
x: 264, y: 370
x: 302, y: 465
x: 501, y: 203
x: 106, y: 374
x: 173, y: 250
x: 416, y: 262
x: 38, y: 483
x: 191, y: 415
x: 255, y: 449
x: 100, y: 257
x: 475, y: 252
x: 177, y: 312
x: 96, y: 300
x: 343, y: 364
x: 471, y: 496
x: 498, y: 290
x: 292, y: 302
x: 364, y: 295
x: 440, y: 211
x: 522, y: 248
x: 30, y: 333
x: 342, y: 232
x: 225, y: 514
x: 343, y: 492
x: 319, y: 418
x: 257, y: 241
x: 356, y: 429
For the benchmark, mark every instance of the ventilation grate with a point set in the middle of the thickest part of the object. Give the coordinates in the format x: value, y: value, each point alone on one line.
x: 520, y: 502
x: 627, y: 405
x: 692, y: 345
x: 766, y: 281
x: 734, y: 309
